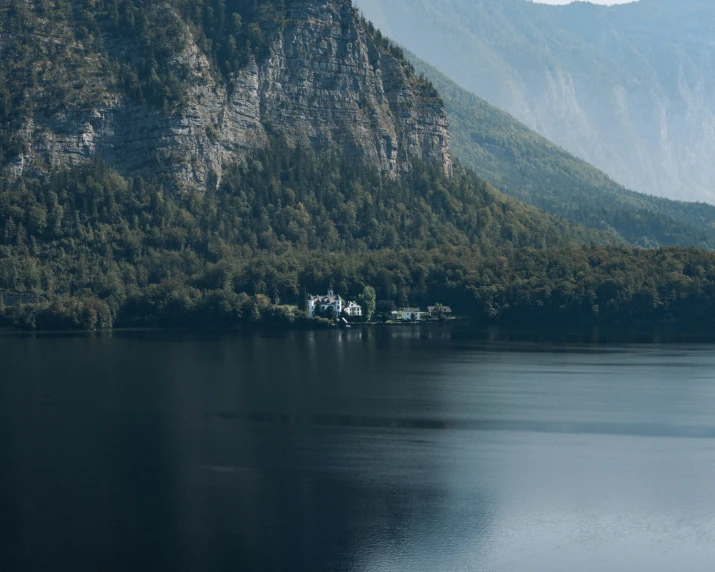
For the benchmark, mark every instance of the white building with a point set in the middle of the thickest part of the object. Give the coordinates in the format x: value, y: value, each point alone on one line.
x: 353, y: 309
x: 407, y: 314
x: 325, y: 303
x: 333, y: 304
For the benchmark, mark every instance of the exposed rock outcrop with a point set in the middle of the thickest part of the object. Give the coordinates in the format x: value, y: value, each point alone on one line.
x: 326, y: 82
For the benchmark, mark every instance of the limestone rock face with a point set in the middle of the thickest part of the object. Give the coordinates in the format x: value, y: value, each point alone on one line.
x: 326, y: 82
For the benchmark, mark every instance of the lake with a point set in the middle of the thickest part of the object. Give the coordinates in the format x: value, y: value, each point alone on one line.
x: 399, y: 449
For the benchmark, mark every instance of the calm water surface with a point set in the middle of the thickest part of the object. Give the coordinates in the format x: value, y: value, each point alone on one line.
x: 378, y: 451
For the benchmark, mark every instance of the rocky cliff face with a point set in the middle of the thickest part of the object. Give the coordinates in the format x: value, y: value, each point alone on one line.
x: 628, y: 88
x: 325, y: 82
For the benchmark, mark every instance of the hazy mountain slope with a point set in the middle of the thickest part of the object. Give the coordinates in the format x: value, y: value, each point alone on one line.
x: 184, y: 87
x: 527, y: 166
x: 628, y: 88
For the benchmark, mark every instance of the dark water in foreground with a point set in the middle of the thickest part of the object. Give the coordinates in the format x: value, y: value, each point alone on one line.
x: 383, y: 451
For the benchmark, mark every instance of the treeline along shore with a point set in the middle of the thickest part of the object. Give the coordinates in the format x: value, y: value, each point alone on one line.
x: 90, y: 249
x: 527, y: 287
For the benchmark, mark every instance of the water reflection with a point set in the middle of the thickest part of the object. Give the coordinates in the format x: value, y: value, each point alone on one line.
x: 394, y: 449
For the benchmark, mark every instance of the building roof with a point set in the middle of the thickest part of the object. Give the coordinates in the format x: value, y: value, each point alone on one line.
x: 324, y: 299
x: 411, y: 310
x: 445, y: 309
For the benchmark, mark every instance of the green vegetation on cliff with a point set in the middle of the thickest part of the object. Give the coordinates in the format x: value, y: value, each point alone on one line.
x: 75, y: 53
x: 186, y: 87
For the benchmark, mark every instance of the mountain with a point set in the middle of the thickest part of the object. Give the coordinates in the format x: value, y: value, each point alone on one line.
x: 182, y: 88
x: 627, y: 88
x: 525, y: 165
x: 201, y: 163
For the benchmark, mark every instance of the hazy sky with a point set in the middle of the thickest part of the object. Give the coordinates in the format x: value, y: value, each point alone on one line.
x: 592, y: 1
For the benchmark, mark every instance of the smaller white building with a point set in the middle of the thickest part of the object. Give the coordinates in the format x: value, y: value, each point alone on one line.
x: 408, y: 314
x: 353, y: 309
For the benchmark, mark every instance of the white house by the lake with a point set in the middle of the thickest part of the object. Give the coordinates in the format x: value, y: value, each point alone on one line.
x: 408, y: 314
x: 331, y: 303
x: 353, y: 309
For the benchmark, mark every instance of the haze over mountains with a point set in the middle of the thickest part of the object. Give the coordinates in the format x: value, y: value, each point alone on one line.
x: 628, y: 88
x: 525, y: 165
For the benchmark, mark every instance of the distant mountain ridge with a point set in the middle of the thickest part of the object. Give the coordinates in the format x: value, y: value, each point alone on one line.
x: 525, y: 165
x: 628, y: 88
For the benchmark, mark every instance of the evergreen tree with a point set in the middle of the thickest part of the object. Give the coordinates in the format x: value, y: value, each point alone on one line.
x: 368, y: 301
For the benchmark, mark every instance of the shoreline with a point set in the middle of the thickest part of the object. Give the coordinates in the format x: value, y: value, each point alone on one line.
x: 458, y: 331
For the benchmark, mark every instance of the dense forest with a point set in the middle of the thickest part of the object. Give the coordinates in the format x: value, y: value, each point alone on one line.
x: 90, y: 249
x: 283, y: 221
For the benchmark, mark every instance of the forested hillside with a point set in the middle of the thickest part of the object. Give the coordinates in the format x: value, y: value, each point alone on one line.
x: 90, y: 249
x: 218, y: 213
x: 521, y: 163
x: 92, y: 233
